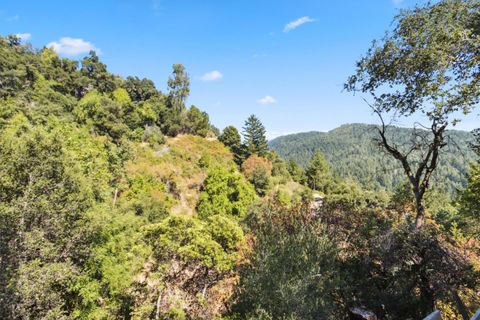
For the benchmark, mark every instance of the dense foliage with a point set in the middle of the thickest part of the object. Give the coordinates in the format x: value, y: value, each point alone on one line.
x: 118, y: 202
x: 292, y: 274
x: 94, y: 196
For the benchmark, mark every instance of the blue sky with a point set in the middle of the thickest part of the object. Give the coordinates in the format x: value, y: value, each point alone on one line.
x: 284, y: 60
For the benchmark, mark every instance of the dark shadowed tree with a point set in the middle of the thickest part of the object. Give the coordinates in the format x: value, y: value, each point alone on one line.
x: 140, y: 89
x: 96, y: 71
x: 231, y: 139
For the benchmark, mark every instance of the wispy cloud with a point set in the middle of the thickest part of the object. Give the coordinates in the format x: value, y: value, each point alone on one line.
x: 24, y: 36
x: 266, y: 100
x: 156, y: 6
x: 212, y: 76
x: 259, y: 55
x: 397, y: 2
x: 13, y: 18
x: 297, y: 23
x: 72, y: 46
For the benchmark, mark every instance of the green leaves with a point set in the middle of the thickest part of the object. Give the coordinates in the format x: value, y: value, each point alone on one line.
x: 197, y: 122
x: 195, y: 241
x: 428, y: 63
x: 225, y: 192
x: 179, y: 88
x: 470, y: 200
x: 254, y: 135
x: 46, y: 193
x: 292, y: 271
x: 318, y: 173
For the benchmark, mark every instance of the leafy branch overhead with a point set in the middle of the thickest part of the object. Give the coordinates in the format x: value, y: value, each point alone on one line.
x: 429, y: 64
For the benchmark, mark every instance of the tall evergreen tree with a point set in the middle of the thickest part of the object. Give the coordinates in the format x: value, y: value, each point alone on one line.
x: 255, y: 139
x: 318, y: 173
x: 179, y: 88
x: 296, y: 172
x: 231, y: 139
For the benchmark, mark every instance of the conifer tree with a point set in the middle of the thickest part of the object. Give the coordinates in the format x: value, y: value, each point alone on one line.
x: 255, y: 139
x: 318, y: 173
x: 232, y: 140
x: 296, y: 172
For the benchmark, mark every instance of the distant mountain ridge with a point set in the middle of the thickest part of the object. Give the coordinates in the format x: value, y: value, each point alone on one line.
x: 352, y: 153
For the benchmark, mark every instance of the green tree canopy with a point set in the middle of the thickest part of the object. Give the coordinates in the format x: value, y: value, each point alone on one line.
x: 254, y: 135
x: 470, y: 198
x: 231, y: 139
x: 296, y: 172
x: 317, y: 174
x: 179, y: 88
x: 225, y: 192
x: 96, y: 71
x: 140, y: 89
x: 47, y: 188
x: 292, y: 271
x: 197, y: 122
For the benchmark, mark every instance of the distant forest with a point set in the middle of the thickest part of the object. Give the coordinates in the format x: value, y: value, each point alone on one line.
x: 353, y: 154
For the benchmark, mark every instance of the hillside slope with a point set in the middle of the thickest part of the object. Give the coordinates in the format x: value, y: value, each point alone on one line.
x: 116, y: 202
x: 351, y: 151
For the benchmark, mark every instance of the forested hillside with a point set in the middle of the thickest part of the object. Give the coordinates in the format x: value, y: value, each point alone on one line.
x: 353, y: 153
x: 98, y: 206
x: 119, y: 201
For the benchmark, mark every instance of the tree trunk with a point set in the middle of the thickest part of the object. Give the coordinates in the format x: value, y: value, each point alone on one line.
x: 420, y: 217
x: 115, y: 196
x: 460, y: 306
x: 158, y: 305
x: 419, y: 208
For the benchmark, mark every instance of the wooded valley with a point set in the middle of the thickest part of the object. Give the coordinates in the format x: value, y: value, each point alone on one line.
x: 119, y: 201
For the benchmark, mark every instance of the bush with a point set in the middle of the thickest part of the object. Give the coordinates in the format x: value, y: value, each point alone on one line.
x: 225, y: 192
x: 293, y: 269
x: 153, y: 135
x: 258, y: 171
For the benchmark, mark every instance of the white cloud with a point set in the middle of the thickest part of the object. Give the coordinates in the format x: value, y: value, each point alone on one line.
x: 297, y: 23
x: 212, y: 76
x: 397, y: 2
x: 266, y: 100
x: 72, y: 46
x: 24, y: 36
